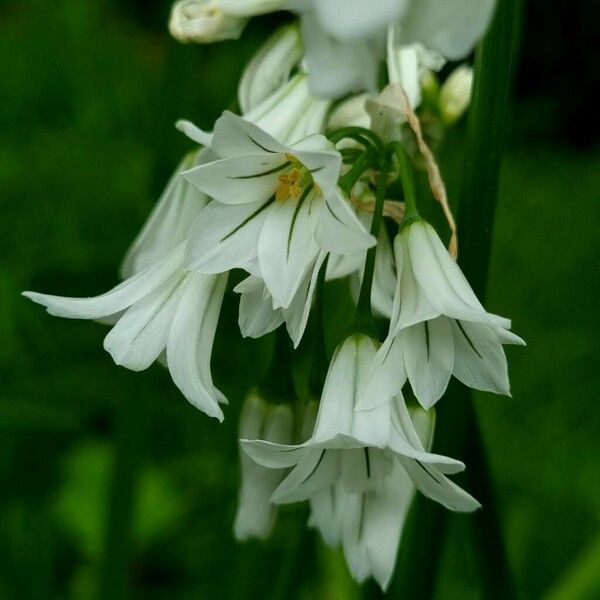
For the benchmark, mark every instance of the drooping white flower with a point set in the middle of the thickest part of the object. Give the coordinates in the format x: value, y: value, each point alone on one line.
x: 354, y: 463
x: 345, y: 39
x: 438, y: 327
x: 346, y: 443
x: 161, y: 311
x: 275, y: 208
x: 256, y: 514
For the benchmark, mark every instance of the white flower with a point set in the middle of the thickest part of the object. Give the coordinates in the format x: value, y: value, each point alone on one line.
x: 438, y: 327
x: 455, y: 95
x: 275, y: 208
x: 161, y: 311
x: 256, y: 514
x: 347, y: 444
x: 345, y: 39
x: 356, y: 463
x: 204, y: 21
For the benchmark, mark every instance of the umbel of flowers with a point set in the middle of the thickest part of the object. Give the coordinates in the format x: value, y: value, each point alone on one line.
x: 307, y: 185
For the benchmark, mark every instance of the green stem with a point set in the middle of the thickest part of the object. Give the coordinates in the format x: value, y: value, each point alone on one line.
x: 364, y: 162
x: 364, y: 316
x: 408, y: 184
x: 361, y: 135
x: 458, y: 434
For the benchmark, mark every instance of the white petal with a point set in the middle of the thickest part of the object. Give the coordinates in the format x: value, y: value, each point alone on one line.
x: 337, y: 67
x: 310, y: 121
x: 405, y: 441
x: 440, y: 277
x: 278, y: 114
x: 225, y: 237
x: 384, y: 280
x: 452, y: 27
x: 480, y: 361
x: 353, y: 508
x: 270, y: 67
x: 286, y: 247
x: 385, y: 515
x: 339, y: 230
x: 169, y: 222
x: 319, y: 155
x: 428, y: 357
x: 194, y: 132
x: 318, y: 470
x: 119, y: 298
x: 141, y: 334
x: 297, y: 313
x: 411, y: 305
x: 257, y: 316
x: 236, y: 137
x: 352, y: 19
x: 403, y: 67
x: 324, y: 515
x: 189, y: 346
x: 238, y: 180
x: 388, y: 374
x: 272, y: 455
x: 336, y: 410
x: 433, y: 484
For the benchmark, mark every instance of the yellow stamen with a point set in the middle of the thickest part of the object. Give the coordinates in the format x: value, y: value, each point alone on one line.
x: 294, y: 181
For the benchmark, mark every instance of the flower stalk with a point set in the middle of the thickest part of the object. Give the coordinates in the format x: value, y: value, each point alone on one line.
x: 364, y: 316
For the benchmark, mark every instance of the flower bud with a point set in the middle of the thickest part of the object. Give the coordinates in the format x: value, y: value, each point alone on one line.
x: 455, y: 95
x: 204, y: 21
x: 256, y: 515
x: 424, y: 422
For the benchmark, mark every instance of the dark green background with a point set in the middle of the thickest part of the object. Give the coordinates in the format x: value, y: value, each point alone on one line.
x: 89, y: 92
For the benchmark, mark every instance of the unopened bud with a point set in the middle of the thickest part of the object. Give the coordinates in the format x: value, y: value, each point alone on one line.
x: 204, y: 21
x: 424, y: 422
x: 455, y: 95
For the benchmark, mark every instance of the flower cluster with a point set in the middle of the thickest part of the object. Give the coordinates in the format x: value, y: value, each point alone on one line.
x: 301, y: 189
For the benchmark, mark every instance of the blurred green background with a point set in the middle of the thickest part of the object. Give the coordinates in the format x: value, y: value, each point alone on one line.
x: 89, y: 92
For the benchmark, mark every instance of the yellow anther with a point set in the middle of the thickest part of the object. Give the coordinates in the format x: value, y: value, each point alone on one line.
x: 294, y: 181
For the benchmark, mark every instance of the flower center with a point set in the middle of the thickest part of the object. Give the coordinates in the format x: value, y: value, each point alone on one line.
x: 294, y: 182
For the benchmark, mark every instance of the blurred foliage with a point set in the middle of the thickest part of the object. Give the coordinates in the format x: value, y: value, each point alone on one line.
x: 89, y: 92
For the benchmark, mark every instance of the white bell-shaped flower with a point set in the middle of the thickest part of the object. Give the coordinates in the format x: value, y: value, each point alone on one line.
x: 358, y: 468
x: 347, y: 444
x: 161, y: 311
x: 275, y: 208
x: 438, y: 327
x: 256, y: 513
